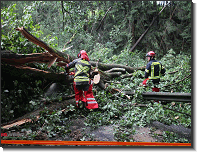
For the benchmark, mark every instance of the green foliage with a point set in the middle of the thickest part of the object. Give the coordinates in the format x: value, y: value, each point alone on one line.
x: 173, y: 138
x: 18, y: 101
x: 13, y: 40
x: 169, y: 37
x: 180, y: 63
x: 121, y: 27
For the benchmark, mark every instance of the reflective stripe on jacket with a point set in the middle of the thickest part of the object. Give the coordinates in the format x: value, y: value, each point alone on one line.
x: 82, y: 71
x: 154, y: 69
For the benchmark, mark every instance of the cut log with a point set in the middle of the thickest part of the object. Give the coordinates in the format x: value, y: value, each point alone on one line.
x: 105, y: 67
x: 115, y: 74
x: 122, y: 70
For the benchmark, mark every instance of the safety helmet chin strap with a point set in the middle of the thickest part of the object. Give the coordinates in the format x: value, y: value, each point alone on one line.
x: 79, y: 55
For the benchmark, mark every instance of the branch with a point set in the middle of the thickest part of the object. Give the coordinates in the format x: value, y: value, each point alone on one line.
x: 66, y: 12
x: 60, y: 55
x: 173, y: 72
x: 178, y: 81
x: 177, y: 111
x: 122, y: 70
x: 70, y: 40
x: 103, y: 19
x: 166, y: 27
x: 105, y: 67
x: 147, y: 29
x: 63, y: 13
x: 27, y: 117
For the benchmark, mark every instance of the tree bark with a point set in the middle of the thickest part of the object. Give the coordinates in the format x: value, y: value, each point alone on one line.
x: 19, y: 59
x: 105, y: 67
x: 21, y: 72
x: 61, y: 55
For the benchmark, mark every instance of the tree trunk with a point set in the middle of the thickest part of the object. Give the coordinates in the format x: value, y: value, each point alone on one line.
x: 104, y: 67
x: 21, y: 72
x: 14, y: 65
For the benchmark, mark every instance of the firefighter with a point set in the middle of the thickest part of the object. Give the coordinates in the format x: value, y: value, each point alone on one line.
x: 82, y: 82
x: 153, y: 71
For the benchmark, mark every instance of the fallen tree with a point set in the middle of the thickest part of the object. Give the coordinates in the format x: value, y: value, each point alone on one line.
x: 17, y: 65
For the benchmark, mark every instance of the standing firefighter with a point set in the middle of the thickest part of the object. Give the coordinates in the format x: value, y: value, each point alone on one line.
x: 82, y: 82
x: 153, y: 71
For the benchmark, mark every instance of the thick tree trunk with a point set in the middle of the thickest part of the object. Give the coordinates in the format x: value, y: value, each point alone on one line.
x: 19, y: 59
x: 21, y: 72
x: 13, y: 65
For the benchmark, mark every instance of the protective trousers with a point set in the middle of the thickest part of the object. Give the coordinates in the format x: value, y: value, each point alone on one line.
x: 89, y: 99
x: 155, y: 89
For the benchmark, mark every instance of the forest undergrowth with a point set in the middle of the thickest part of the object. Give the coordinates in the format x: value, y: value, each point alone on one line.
x: 114, y: 109
x: 110, y: 42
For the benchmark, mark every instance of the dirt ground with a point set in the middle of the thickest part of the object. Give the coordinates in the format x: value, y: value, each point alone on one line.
x: 152, y: 133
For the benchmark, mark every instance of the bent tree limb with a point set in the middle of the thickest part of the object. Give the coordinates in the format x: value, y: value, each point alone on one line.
x: 62, y: 56
x: 19, y: 59
x: 103, y: 19
x: 147, y: 29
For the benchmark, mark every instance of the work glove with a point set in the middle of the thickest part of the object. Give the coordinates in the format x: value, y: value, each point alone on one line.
x: 144, y: 82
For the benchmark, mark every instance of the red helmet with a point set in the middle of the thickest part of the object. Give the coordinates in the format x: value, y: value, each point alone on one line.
x: 150, y: 54
x: 82, y: 54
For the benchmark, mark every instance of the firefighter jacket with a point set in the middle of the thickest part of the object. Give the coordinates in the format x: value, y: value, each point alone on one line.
x: 82, y: 71
x: 154, y: 70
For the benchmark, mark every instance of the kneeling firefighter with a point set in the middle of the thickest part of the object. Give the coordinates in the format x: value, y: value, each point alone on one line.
x: 153, y: 71
x: 82, y: 82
